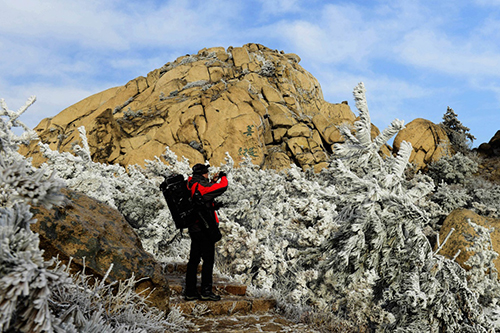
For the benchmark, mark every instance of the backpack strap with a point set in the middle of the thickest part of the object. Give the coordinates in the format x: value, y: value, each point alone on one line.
x: 192, y: 189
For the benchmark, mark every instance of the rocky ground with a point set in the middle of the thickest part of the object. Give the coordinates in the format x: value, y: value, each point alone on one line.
x: 235, y: 312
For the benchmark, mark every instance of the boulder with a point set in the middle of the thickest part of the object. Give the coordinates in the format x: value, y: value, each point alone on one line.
x: 243, y: 100
x: 457, y: 241
x: 489, y: 167
x: 429, y: 141
x: 86, y: 229
x: 492, y: 148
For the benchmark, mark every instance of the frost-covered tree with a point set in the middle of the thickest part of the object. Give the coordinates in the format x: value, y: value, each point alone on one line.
x: 25, y: 280
x: 9, y: 141
x: 35, y: 295
x: 358, y: 150
x: 459, y: 135
x: 379, y: 268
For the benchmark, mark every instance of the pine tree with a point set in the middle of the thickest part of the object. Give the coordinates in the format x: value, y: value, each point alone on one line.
x: 459, y: 134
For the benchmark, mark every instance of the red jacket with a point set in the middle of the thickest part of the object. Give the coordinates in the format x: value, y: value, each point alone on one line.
x: 209, y: 191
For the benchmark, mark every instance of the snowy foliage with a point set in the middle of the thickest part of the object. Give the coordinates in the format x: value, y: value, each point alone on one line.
x: 132, y: 192
x: 347, y: 244
x: 378, y: 268
x: 358, y: 150
x: 450, y: 197
x: 456, y: 169
x: 459, y: 135
x: 35, y: 295
x: 87, y: 305
x: 8, y: 140
x: 483, y: 275
x: 458, y: 188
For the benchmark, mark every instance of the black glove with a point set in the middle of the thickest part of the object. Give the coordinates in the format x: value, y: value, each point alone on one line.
x: 218, y: 204
x: 222, y: 174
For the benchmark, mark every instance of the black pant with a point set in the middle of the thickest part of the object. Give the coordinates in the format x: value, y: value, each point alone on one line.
x: 201, y: 248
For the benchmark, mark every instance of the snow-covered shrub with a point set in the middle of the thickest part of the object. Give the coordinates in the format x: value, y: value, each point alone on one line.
x: 456, y: 169
x: 25, y: 280
x: 268, y: 69
x: 90, y: 305
x: 268, y: 219
x: 133, y: 193
x: 471, y: 193
x: 9, y: 141
x: 450, y: 197
x: 35, y: 295
x: 485, y: 198
x: 483, y: 275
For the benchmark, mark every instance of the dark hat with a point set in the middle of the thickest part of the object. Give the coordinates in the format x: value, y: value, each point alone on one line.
x: 200, y: 169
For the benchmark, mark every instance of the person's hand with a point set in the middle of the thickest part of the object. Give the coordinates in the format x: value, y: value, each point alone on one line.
x: 222, y: 174
x: 218, y: 205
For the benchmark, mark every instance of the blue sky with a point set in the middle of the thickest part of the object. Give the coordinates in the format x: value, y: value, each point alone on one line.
x: 415, y: 58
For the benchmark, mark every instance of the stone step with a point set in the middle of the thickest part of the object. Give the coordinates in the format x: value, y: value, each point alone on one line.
x: 265, y: 322
x: 221, y: 286
x: 228, y: 305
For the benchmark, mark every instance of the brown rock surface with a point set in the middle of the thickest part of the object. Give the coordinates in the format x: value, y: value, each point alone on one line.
x: 458, y: 220
x: 248, y: 101
x: 86, y: 228
x: 492, y: 148
x: 429, y: 142
x: 489, y: 163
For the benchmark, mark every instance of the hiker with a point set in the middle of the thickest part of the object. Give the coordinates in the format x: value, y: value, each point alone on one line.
x: 204, y: 232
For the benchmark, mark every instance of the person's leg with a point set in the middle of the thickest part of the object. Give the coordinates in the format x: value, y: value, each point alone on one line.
x: 208, y: 255
x: 191, y: 291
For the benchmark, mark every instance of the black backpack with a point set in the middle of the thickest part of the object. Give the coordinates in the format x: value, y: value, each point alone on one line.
x: 179, y: 202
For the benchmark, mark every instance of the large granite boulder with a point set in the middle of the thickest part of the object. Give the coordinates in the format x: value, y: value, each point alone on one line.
x: 457, y: 241
x: 429, y: 141
x: 248, y: 101
x: 86, y: 228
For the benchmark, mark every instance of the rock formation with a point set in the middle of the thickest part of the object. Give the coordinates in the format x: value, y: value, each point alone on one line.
x: 489, y: 166
x: 457, y: 241
x: 492, y: 148
x: 248, y: 101
x: 86, y: 228
x: 430, y: 142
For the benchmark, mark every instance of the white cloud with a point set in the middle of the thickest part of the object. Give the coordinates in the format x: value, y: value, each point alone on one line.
x: 387, y: 97
x: 88, y: 23
x: 350, y: 34
x: 435, y: 51
x: 50, y: 99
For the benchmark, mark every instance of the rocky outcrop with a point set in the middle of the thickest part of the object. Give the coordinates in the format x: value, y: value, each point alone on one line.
x: 86, y: 229
x: 492, y: 148
x: 248, y: 101
x: 457, y: 241
x: 429, y: 141
x: 489, y: 163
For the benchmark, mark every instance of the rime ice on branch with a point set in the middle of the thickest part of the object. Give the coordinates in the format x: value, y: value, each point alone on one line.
x: 9, y: 140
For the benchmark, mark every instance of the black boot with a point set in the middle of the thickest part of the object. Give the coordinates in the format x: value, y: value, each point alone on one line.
x: 208, y: 295
x: 191, y: 295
